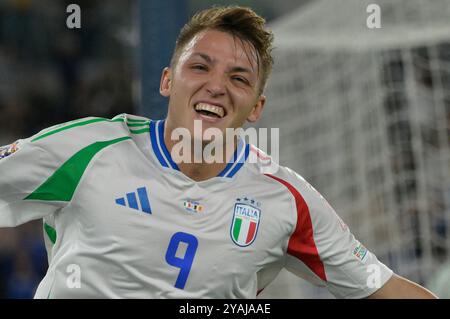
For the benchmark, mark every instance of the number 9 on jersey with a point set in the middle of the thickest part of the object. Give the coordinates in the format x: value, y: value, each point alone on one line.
x: 185, y: 262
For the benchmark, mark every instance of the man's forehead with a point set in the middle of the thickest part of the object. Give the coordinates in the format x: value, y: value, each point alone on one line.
x: 219, y: 45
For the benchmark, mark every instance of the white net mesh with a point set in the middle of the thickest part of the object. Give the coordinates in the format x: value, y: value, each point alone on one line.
x: 364, y: 115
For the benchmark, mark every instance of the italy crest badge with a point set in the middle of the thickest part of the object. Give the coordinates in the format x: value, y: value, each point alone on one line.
x: 246, y: 218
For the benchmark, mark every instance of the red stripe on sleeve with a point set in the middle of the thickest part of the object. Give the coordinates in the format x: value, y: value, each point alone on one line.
x: 301, y: 243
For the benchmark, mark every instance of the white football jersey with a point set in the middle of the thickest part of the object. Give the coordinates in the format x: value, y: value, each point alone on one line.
x: 121, y: 220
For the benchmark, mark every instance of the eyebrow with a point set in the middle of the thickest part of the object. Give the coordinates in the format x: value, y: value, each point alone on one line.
x: 211, y: 61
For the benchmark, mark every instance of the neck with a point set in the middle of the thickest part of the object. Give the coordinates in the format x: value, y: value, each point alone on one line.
x: 203, y: 170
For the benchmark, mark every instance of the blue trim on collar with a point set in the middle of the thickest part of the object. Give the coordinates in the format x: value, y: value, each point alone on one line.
x: 162, y: 144
x: 155, y: 145
x: 163, y: 155
x: 240, y: 163
x: 239, y: 157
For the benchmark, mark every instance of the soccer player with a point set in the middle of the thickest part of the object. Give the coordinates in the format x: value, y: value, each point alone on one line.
x: 123, y: 219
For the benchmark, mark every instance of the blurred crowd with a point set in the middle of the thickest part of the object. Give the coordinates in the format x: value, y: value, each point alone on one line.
x: 51, y: 74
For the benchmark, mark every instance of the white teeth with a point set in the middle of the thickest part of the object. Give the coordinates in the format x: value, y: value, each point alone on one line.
x: 218, y: 110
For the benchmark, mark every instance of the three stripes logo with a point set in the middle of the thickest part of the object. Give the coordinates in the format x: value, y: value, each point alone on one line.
x: 131, y: 201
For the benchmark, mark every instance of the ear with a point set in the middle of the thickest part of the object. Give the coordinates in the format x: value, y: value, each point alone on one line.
x: 166, y: 82
x: 256, y: 112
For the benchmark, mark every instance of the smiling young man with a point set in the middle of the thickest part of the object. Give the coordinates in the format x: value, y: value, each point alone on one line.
x: 215, y: 77
x: 123, y: 219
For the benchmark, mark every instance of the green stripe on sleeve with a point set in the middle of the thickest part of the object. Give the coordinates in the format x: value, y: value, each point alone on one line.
x: 141, y: 131
x: 137, y: 124
x: 137, y: 121
x: 82, y: 123
x: 62, y: 184
x: 51, y: 233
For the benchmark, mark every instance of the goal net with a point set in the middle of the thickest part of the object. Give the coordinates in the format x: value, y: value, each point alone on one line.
x: 364, y: 116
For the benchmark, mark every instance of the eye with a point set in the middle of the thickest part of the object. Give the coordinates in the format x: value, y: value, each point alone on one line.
x: 200, y: 67
x: 240, y: 79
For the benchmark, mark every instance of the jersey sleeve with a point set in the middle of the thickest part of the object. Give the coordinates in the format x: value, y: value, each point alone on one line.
x: 24, y: 166
x: 322, y: 250
x: 39, y: 175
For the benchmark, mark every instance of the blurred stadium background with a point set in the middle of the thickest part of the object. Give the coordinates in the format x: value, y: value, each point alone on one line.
x: 364, y: 114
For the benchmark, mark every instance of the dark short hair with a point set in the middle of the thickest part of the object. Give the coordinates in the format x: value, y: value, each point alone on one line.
x: 241, y: 22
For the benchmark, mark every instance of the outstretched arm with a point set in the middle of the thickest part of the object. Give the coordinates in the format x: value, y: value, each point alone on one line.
x: 398, y: 287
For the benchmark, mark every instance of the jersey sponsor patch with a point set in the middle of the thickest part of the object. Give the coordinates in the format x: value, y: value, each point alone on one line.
x: 192, y: 206
x: 360, y: 252
x: 245, y: 223
x: 7, y: 150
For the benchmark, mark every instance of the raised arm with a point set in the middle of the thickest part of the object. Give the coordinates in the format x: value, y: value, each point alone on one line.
x: 398, y: 287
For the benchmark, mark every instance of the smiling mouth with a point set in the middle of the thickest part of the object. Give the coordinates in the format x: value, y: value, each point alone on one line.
x: 210, y: 110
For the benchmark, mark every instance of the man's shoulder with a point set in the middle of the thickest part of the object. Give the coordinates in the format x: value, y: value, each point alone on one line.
x: 66, y: 139
x: 132, y: 118
x: 273, y: 172
x: 92, y: 128
x: 266, y: 165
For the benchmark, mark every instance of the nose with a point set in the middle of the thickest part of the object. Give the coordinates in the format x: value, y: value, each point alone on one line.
x: 216, y: 85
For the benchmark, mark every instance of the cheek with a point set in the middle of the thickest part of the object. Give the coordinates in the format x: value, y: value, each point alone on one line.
x: 187, y: 85
x: 179, y: 89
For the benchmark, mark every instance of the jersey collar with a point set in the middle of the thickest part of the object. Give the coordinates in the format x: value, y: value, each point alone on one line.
x: 163, y: 155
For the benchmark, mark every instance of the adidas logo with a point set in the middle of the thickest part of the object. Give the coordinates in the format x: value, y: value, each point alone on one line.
x: 132, y: 202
